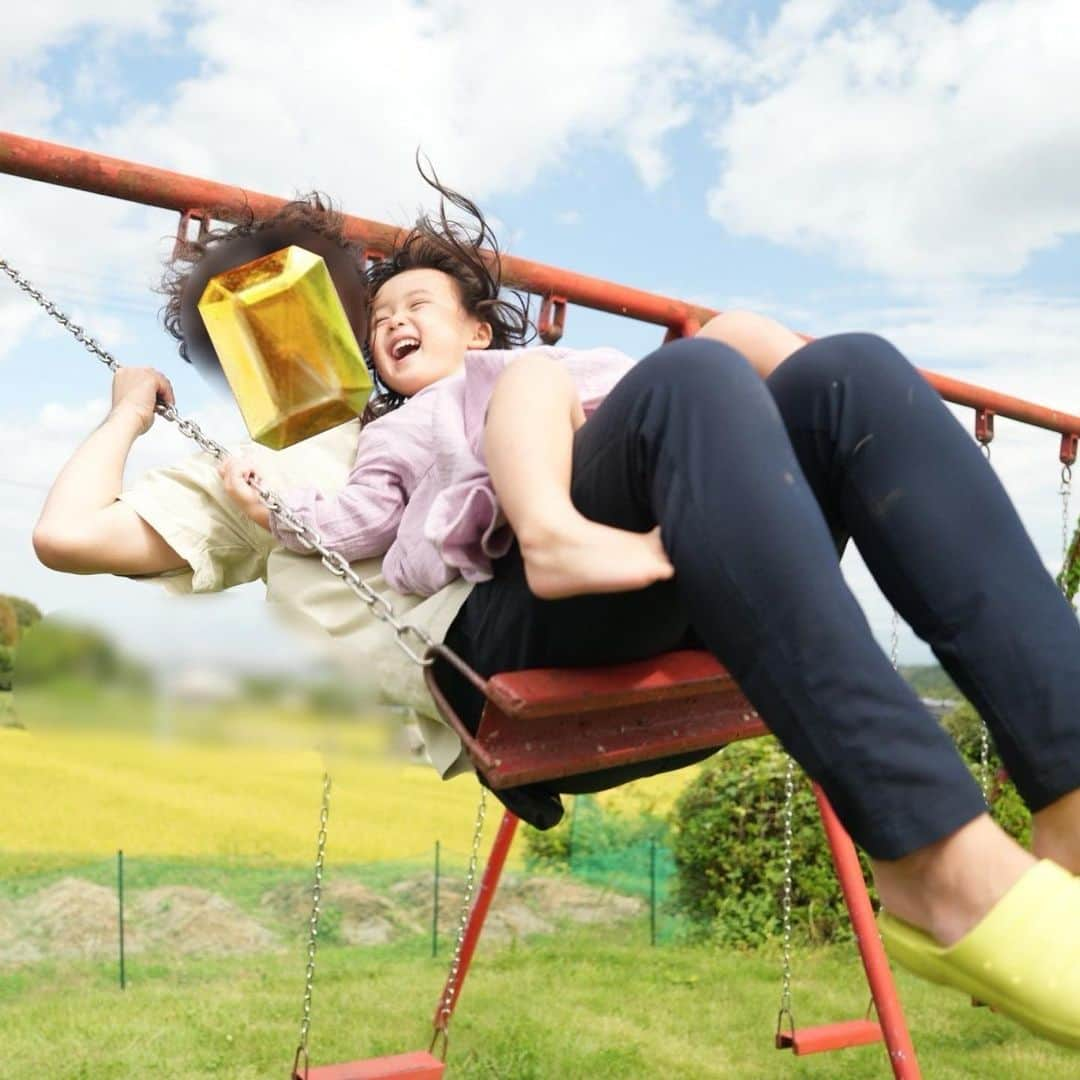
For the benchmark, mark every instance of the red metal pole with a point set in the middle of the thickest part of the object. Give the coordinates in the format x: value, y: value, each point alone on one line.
x: 477, y: 914
x: 34, y: 159
x: 905, y: 1065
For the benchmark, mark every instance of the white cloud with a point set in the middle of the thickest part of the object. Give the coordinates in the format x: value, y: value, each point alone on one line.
x: 909, y: 141
x: 491, y: 108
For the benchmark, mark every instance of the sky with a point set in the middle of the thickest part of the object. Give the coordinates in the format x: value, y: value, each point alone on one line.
x: 906, y: 167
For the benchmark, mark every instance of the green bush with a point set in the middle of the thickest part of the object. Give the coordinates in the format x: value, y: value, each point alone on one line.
x: 26, y: 613
x: 966, y: 728
x: 9, y: 624
x: 7, y: 667
x: 728, y: 832
x: 728, y: 841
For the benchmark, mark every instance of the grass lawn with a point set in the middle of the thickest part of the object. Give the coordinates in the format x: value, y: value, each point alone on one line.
x: 584, y: 1004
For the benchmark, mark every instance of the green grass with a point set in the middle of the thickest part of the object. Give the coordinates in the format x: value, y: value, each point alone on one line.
x: 586, y: 1003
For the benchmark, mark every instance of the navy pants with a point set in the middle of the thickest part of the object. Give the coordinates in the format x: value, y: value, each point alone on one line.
x: 756, y: 487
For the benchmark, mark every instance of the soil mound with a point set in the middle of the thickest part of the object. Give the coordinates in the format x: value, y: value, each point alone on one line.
x: 358, y: 915
x: 522, y: 905
x: 71, y: 917
x: 191, y: 921
x: 76, y: 918
x: 14, y: 948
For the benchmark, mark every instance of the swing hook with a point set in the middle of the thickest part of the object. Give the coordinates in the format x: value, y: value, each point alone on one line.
x: 552, y: 319
x: 184, y: 247
x: 443, y: 1032
x: 984, y: 429
x: 1067, y: 456
x: 785, y: 1040
x: 298, y: 1073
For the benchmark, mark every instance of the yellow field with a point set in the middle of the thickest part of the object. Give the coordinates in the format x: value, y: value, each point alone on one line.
x: 83, y: 792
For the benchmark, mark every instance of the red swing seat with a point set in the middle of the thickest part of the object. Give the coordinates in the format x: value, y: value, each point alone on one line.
x: 548, y: 723
x: 418, y: 1065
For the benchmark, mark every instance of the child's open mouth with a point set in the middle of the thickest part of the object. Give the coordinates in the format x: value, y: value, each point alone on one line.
x: 404, y: 347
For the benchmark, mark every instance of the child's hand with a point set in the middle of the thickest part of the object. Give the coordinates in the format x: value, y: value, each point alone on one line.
x: 235, y: 473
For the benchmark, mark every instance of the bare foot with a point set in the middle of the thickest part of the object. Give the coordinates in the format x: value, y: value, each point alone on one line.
x: 578, y: 556
x: 1055, y: 832
x: 946, y: 888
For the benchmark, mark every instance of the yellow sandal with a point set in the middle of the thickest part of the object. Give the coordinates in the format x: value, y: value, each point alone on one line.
x: 1023, y: 958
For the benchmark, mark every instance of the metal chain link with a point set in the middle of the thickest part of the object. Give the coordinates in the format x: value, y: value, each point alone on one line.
x: 785, y: 1012
x: 313, y: 934
x: 446, y: 1006
x: 336, y: 563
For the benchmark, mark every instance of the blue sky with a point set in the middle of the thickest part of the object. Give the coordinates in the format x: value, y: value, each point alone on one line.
x: 902, y: 166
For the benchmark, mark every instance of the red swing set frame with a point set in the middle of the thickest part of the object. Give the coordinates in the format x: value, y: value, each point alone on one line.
x: 544, y: 724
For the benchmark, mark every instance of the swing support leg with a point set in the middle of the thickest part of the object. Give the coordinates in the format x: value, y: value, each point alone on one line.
x: 477, y: 914
x: 905, y: 1065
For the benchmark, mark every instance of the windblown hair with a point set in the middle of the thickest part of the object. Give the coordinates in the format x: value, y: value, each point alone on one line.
x: 313, y: 211
x: 468, y: 253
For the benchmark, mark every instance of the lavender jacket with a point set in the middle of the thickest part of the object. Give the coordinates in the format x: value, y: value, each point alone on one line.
x: 419, y: 489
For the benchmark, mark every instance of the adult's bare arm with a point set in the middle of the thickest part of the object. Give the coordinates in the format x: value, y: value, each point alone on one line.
x: 763, y: 341
x: 83, y: 528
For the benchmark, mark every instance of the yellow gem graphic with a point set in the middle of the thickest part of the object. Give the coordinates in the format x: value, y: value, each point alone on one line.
x: 285, y: 346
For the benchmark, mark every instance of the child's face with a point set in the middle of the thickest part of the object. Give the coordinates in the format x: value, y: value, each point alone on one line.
x: 420, y: 332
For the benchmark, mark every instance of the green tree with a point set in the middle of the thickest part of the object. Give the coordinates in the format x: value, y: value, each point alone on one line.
x: 54, y: 648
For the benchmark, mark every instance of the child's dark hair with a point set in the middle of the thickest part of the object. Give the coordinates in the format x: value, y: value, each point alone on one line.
x: 469, y: 255
x: 312, y: 211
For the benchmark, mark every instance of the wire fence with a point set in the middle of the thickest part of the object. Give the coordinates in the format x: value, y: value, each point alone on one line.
x: 130, y: 908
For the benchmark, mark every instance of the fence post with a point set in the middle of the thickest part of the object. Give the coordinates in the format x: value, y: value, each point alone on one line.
x: 435, y: 907
x: 652, y: 892
x: 120, y: 898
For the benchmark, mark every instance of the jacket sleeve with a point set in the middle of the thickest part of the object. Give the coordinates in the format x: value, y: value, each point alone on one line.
x: 361, y: 520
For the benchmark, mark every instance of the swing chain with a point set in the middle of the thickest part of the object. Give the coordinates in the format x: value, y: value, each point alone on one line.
x: 785, y: 1013
x: 336, y: 563
x: 73, y: 328
x: 313, y: 933
x: 339, y: 566
x: 1065, y: 491
x: 445, y: 1011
